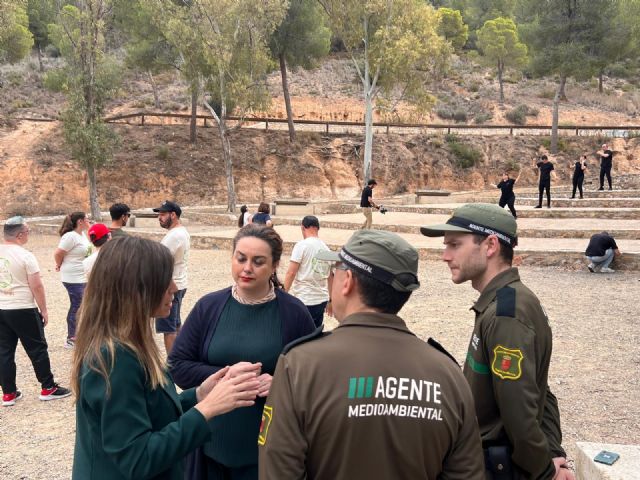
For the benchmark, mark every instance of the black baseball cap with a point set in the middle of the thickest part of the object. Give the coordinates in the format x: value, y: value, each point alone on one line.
x: 168, y: 206
x: 481, y: 218
x: 380, y: 255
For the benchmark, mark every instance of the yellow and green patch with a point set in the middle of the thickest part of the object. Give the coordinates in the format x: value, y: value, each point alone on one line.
x: 267, y: 416
x: 507, y: 362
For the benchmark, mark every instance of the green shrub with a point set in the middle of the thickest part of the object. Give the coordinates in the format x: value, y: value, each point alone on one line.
x: 55, y: 80
x: 466, y: 155
x: 51, y: 51
x: 14, y: 79
x: 444, y: 112
x: 619, y: 71
x: 163, y: 152
x: 517, y: 115
x: 460, y: 115
x: 547, y: 93
x: 562, y: 144
x: 482, y: 118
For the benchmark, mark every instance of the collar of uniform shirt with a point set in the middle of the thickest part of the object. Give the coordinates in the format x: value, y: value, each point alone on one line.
x: 489, y: 293
x: 375, y: 319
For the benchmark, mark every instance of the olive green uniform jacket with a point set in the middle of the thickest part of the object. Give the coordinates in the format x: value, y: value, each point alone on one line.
x: 507, y: 367
x: 368, y: 401
x: 133, y: 432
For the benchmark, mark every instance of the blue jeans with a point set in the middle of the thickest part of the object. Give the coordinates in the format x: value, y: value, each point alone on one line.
x: 317, y: 312
x: 171, y: 324
x: 75, y: 291
x: 604, y: 261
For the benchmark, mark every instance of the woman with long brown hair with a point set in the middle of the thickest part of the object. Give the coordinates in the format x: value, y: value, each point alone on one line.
x: 130, y: 421
x: 73, y: 248
x: 251, y: 321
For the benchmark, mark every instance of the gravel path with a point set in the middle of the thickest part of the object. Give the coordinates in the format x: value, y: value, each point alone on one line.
x: 595, y: 370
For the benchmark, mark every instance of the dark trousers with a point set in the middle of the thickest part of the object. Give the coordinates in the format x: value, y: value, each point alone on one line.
x: 317, y: 312
x: 510, y: 202
x: 24, y: 325
x: 217, y: 471
x: 577, y: 184
x: 75, y: 291
x: 544, y: 185
x: 605, y: 171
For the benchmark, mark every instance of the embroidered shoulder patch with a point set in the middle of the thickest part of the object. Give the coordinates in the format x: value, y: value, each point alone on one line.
x: 507, y: 363
x: 267, y: 415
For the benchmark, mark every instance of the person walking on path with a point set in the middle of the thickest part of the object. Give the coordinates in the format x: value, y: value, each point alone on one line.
x: 23, y: 315
x: 178, y: 241
x: 545, y: 168
x: 507, y: 364
x: 73, y: 248
x: 606, y: 162
x: 600, y: 252
x: 578, y: 175
x: 370, y: 400
x: 367, y: 203
x: 306, y: 277
x: 507, y: 197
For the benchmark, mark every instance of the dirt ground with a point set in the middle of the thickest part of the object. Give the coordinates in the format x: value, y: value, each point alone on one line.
x: 595, y: 369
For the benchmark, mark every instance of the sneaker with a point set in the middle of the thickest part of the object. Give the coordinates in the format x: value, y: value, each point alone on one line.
x: 539, y: 206
x: 54, y: 393
x: 601, y: 188
x: 10, y: 399
x: 606, y: 270
x: 592, y: 268
x: 70, y: 343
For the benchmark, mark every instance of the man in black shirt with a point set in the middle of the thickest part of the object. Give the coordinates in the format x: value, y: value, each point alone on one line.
x: 546, y: 170
x: 366, y: 202
x: 600, y: 252
x: 507, y: 197
x: 606, y: 161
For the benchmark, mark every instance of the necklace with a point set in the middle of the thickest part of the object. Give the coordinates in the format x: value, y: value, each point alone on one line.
x: 271, y: 294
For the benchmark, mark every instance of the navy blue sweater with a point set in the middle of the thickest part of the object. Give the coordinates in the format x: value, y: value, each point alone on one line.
x: 188, y: 359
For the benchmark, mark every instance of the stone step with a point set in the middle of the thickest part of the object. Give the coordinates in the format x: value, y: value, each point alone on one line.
x: 564, y: 202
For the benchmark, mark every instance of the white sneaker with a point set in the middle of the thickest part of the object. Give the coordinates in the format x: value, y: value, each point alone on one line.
x: 606, y: 270
x: 591, y: 267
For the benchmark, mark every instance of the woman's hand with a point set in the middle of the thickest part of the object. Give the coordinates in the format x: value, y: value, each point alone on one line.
x: 206, y: 386
x: 229, y: 394
x: 264, y: 384
x: 244, y: 367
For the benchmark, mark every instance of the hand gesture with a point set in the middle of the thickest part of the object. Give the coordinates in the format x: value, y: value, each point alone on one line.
x: 211, y: 381
x: 229, y: 394
x: 264, y: 382
x: 244, y: 367
x: 562, y: 472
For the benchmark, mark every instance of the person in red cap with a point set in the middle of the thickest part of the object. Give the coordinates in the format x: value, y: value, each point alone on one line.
x: 99, y: 234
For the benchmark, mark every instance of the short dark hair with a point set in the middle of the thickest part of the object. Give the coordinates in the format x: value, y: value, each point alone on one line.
x: 372, y: 182
x: 379, y: 295
x: 264, y: 207
x: 506, y: 251
x: 117, y: 210
x: 310, y: 221
x: 544, y: 157
x: 13, y: 229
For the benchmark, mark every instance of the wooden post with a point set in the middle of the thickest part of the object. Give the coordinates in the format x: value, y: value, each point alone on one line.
x: 266, y: 125
x: 142, y: 120
x: 511, y: 132
x: 327, y: 127
x: 387, y: 129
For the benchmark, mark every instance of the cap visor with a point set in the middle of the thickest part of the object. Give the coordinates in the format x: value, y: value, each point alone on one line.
x: 158, y: 210
x: 439, y: 230
x: 328, y: 256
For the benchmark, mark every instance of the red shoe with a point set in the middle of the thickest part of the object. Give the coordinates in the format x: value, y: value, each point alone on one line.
x: 10, y: 399
x: 54, y: 393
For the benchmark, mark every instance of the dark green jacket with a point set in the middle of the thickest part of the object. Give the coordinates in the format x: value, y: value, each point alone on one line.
x: 507, y: 367
x: 134, y: 432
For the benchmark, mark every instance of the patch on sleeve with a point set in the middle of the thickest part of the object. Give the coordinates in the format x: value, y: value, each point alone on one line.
x: 506, y: 302
x: 267, y: 416
x: 507, y: 363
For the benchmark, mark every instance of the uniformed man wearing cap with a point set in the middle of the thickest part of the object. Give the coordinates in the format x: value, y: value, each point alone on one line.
x: 508, y: 359
x: 370, y: 400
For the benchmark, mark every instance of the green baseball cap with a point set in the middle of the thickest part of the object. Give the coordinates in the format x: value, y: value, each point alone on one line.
x: 380, y: 255
x: 482, y: 218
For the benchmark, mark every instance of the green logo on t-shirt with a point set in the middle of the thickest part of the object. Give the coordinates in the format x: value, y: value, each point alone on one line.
x: 6, y: 279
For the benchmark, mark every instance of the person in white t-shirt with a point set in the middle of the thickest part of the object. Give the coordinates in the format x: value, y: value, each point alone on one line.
x: 245, y: 217
x: 177, y: 240
x: 307, y: 278
x: 23, y: 315
x: 73, y: 248
x: 99, y: 234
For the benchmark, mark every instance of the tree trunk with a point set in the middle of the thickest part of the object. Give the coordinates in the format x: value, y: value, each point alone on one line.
x: 368, y: 135
x: 563, y: 95
x: 501, y: 83
x: 39, y: 50
x: 600, y: 82
x: 554, y: 124
x: 287, y: 98
x: 93, y: 194
x: 193, y: 136
x: 154, y: 88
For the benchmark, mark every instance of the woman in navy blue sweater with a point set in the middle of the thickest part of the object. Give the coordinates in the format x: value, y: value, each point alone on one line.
x: 245, y: 326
